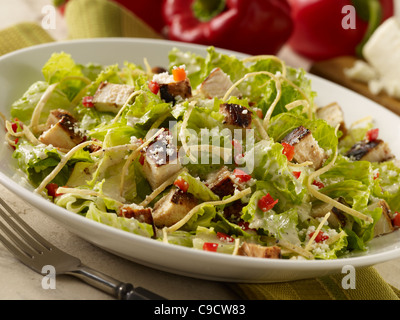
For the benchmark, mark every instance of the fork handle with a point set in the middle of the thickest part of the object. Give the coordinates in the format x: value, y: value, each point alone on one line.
x: 113, y: 287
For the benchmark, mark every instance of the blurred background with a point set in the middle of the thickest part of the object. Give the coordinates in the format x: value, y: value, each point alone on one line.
x: 299, y: 30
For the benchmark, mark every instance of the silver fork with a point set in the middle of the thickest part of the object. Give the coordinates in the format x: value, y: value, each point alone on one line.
x: 36, y: 252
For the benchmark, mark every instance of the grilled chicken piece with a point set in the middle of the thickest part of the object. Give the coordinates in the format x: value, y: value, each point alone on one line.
x: 373, y: 151
x: 255, y: 250
x: 173, y: 207
x: 110, y: 97
x: 161, y: 160
x: 336, y: 218
x: 62, y: 130
x: 174, y: 91
x: 333, y: 114
x: 236, y: 115
x: 384, y: 224
x: 221, y: 183
x: 136, y: 212
x: 306, y: 148
x: 217, y: 84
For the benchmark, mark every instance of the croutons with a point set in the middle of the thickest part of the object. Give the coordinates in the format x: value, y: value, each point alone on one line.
x: 161, y: 160
x: 173, y: 207
x: 61, y: 130
x: 173, y: 91
x: 236, y: 115
x: 333, y: 114
x: 255, y: 250
x: 217, y: 84
x: 306, y: 148
x: 111, y: 97
x: 373, y: 151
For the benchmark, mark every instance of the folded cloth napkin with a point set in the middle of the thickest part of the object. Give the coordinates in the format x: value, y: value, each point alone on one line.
x: 101, y: 18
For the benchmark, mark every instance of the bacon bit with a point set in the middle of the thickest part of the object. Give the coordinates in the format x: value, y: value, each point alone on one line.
x: 320, y: 185
x: 154, y: 87
x: 241, y: 175
x: 288, y: 151
x: 296, y: 174
x: 88, y: 102
x: 179, y: 74
x: 266, y: 203
x: 181, y: 184
x: 372, y: 134
x: 210, y: 246
x: 321, y: 236
x: 396, y: 219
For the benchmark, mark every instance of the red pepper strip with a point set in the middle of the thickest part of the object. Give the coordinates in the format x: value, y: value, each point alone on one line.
x: 296, y: 174
x: 210, y: 246
x: 87, y: 102
x: 224, y: 237
x: 241, y: 175
x: 181, y: 184
x: 318, y: 184
x: 396, y: 219
x: 52, y: 190
x: 266, y: 203
x: 288, y: 151
x: 372, y: 134
x: 319, y: 34
x: 253, y: 27
x: 154, y: 87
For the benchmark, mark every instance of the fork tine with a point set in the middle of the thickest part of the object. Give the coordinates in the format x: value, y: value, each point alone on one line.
x: 18, y: 253
x: 29, y: 235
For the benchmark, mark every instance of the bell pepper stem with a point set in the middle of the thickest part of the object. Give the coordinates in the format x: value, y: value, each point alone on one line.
x: 205, y: 10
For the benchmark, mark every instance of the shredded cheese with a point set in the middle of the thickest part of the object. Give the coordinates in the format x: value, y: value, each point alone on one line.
x: 182, y: 133
x: 133, y: 94
x: 165, y: 235
x: 63, y: 162
x: 39, y: 107
x: 84, y: 192
x: 329, y: 200
x: 236, y: 248
x: 186, y: 218
x: 297, y: 249
x: 265, y: 57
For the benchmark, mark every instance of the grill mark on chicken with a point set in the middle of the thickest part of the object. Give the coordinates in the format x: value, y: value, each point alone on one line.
x: 170, y: 91
x: 236, y: 115
x: 373, y: 151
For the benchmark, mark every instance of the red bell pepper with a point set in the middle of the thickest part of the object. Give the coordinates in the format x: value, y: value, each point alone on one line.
x: 319, y: 33
x: 149, y: 11
x: 253, y: 27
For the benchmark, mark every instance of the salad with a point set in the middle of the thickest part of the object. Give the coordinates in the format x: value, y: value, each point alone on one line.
x: 210, y: 152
